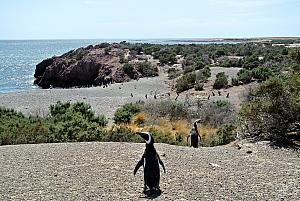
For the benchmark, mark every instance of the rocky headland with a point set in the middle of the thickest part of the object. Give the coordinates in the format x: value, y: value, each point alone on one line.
x: 97, y: 65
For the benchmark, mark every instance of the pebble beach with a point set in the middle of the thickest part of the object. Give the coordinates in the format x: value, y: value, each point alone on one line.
x: 104, y: 171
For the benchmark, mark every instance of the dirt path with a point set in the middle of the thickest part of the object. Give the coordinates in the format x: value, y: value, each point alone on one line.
x: 104, y: 171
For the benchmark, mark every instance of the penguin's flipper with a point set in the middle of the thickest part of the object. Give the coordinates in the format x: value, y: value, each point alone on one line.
x: 187, y: 140
x: 161, y: 163
x: 138, y: 165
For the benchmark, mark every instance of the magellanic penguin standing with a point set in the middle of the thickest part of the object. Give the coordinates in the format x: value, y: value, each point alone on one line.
x: 194, y: 135
x: 150, y: 161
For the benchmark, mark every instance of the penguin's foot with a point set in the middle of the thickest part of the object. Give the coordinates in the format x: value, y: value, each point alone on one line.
x: 152, y: 192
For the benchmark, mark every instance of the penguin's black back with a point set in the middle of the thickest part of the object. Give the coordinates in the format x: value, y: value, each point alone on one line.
x: 194, y: 140
x: 151, y: 168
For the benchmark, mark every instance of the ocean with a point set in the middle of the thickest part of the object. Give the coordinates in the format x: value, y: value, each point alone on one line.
x: 18, y: 58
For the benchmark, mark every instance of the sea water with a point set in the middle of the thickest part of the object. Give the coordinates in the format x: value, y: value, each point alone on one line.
x: 18, y: 58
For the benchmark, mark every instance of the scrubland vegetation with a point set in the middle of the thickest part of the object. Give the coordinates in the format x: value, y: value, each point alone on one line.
x: 272, y: 111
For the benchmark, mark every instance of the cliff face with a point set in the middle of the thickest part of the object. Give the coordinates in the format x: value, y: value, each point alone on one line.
x: 94, y: 65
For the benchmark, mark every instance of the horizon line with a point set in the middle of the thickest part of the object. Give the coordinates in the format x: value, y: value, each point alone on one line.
x: 163, y: 38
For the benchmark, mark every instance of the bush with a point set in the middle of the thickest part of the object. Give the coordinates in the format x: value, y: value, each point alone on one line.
x: 216, y: 114
x: 294, y: 54
x: 235, y: 81
x: 166, y: 108
x: 262, y: 73
x: 173, y: 73
x: 122, y: 134
x: 126, y: 112
x: 221, y: 81
x: 231, y: 63
x: 188, y: 69
x: 251, y: 62
x: 226, y: 134
x: 128, y: 69
x: 274, y: 110
x: 147, y: 69
x: 64, y: 111
x: 199, y: 86
x: 186, y: 82
x: 245, y: 76
x: 67, y: 123
x: 15, y: 128
x: 206, y: 72
x: 165, y: 56
x: 223, y: 103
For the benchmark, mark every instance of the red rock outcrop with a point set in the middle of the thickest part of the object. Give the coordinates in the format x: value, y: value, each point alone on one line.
x: 91, y: 66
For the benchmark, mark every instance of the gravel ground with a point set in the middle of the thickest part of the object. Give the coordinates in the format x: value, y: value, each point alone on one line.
x: 104, y: 171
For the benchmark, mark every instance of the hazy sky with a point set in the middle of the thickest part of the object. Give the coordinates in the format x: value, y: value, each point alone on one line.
x: 104, y: 19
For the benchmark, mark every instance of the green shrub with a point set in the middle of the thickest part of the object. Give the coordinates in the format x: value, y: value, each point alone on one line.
x: 125, y: 113
x: 173, y: 73
x: 251, y: 62
x: 206, y: 72
x: 294, y: 53
x: 231, y: 63
x: 188, y: 69
x: 221, y: 81
x: 15, y: 128
x: 65, y: 111
x: 67, y: 122
x: 128, y: 68
x: 235, y: 81
x: 245, y: 76
x: 199, y: 86
x: 199, y: 64
x: 186, y: 82
x: 165, y: 56
x: 147, y: 69
x: 226, y: 134
x: 122, y: 134
x: 262, y: 73
x: 274, y: 110
x: 222, y: 103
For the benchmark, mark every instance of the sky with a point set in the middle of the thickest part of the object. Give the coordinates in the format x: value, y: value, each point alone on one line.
x: 142, y: 19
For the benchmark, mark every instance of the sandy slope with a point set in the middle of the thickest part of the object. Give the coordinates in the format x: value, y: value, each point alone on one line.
x: 104, y: 171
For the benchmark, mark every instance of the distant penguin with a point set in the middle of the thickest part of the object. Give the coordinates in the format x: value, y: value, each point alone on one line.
x: 177, y: 96
x: 150, y: 161
x: 213, y: 93
x: 146, y: 96
x: 194, y: 136
x: 208, y: 97
x: 219, y: 93
x: 131, y: 94
x: 227, y: 96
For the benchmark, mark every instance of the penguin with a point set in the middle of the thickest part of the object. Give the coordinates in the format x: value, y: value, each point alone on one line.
x: 150, y: 162
x: 194, y: 135
x: 227, y: 96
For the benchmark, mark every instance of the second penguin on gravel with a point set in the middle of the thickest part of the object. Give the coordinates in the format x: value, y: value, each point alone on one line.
x: 150, y: 161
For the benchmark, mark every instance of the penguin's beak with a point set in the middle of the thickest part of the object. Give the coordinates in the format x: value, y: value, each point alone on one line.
x: 146, y: 136
x: 143, y: 135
